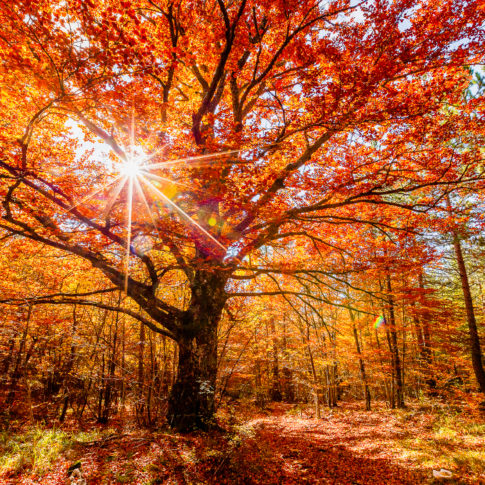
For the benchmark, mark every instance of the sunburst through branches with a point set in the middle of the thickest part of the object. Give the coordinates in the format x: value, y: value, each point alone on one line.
x: 135, y: 179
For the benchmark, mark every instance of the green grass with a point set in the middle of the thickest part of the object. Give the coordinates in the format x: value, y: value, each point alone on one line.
x: 453, y: 442
x: 476, y: 429
x: 36, y: 449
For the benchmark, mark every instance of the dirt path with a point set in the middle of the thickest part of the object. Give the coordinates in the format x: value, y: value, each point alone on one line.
x: 291, y: 450
x: 346, y: 447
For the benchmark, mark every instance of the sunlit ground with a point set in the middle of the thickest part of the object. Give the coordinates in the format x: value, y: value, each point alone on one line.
x: 283, y: 444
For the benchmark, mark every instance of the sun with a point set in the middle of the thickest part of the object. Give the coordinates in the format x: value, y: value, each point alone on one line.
x: 131, y: 167
x: 135, y: 172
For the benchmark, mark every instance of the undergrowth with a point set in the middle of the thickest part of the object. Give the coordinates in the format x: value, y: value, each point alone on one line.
x: 35, y: 450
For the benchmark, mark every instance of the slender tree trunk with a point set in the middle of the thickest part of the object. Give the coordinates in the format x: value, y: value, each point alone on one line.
x: 175, y: 360
x: 392, y: 386
x: 275, y: 391
x: 101, y: 393
x: 425, y: 348
x: 335, y: 385
x: 121, y: 318
x: 108, y: 392
x: 69, y: 366
x: 387, y: 390
x: 363, y: 374
x: 316, y: 380
x: 327, y: 385
x: 287, y: 387
x: 17, y: 371
x: 395, y: 348
x: 403, y: 351
x: 163, y: 375
x: 419, y: 337
x: 258, y: 385
x: 140, y: 398
x: 331, y: 378
x: 476, y: 351
x: 8, y: 359
x: 153, y: 381
x: 65, y: 405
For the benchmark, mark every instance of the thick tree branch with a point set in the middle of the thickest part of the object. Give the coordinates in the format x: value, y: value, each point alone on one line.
x: 104, y: 306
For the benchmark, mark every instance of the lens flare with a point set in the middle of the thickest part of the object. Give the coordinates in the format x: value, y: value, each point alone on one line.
x: 130, y: 168
x: 133, y: 176
x: 380, y: 320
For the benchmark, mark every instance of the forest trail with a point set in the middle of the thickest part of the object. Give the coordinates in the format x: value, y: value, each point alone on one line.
x: 355, y: 448
x: 283, y: 445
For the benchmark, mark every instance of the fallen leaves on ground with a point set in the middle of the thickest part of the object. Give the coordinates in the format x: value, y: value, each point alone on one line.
x: 280, y: 446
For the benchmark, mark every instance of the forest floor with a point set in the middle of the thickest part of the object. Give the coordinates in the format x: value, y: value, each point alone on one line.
x: 281, y: 445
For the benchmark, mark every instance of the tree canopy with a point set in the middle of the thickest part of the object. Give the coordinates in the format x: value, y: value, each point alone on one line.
x: 251, y: 149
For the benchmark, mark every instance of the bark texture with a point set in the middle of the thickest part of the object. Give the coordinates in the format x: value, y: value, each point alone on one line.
x: 191, y: 401
x: 476, y: 351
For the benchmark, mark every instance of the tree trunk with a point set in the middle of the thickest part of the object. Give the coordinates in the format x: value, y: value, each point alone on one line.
x: 191, y: 401
x: 140, y: 398
x: 316, y: 381
x: 331, y: 378
x: 477, y: 360
x: 275, y: 390
x: 424, y: 342
x: 363, y: 374
x: 17, y: 371
x: 395, y: 348
x: 69, y: 365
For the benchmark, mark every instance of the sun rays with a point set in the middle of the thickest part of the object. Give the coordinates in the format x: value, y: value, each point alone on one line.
x: 134, y: 180
x: 131, y: 168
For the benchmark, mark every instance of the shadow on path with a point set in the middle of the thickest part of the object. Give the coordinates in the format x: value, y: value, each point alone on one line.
x: 294, y: 451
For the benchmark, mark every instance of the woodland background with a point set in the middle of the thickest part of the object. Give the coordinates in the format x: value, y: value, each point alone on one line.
x: 291, y: 266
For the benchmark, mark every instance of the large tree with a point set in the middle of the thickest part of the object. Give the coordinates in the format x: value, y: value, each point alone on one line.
x: 328, y: 115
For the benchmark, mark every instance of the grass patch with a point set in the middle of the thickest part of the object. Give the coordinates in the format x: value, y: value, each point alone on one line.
x: 475, y: 429
x: 453, y: 442
x: 36, y: 449
x: 474, y: 459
